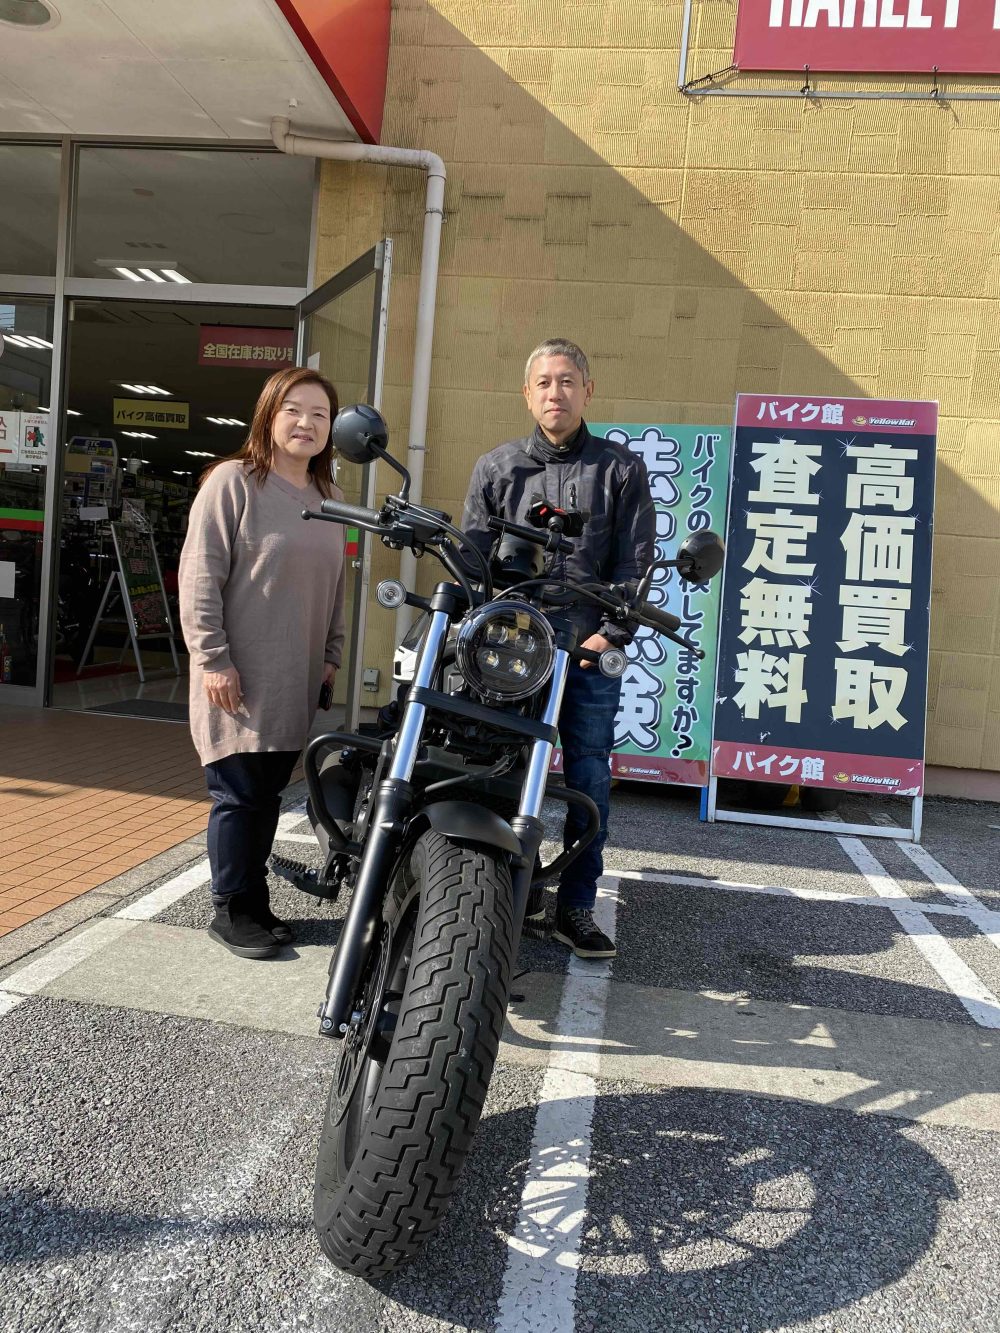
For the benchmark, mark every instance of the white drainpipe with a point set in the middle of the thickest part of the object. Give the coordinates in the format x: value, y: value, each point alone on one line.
x: 338, y: 151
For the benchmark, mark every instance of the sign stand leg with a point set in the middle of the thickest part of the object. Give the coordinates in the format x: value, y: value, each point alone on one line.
x: 917, y: 818
x: 97, y: 620
x: 133, y: 632
x: 703, y: 805
x: 166, y: 607
x: 713, y: 798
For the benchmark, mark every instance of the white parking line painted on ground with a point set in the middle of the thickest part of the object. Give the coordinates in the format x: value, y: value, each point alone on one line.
x: 9, y: 1002
x: 870, y: 866
x: 973, y: 994
x: 945, y: 882
x: 779, y: 891
x: 543, y: 1253
x: 36, y: 976
x: 292, y: 816
x: 165, y: 895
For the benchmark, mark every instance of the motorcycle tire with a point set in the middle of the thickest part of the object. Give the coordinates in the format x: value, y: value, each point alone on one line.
x: 395, y: 1139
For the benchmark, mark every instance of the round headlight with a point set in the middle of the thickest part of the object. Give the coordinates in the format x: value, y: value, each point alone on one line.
x: 505, y: 650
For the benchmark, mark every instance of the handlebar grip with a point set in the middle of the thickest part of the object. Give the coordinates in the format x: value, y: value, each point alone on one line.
x: 661, y: 619
x: 355, y: 514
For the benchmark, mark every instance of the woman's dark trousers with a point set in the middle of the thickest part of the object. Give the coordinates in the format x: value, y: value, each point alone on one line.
x: 246, y: 799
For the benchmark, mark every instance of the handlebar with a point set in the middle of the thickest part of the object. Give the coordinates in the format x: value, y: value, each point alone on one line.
x: 663, y: 620
x: 544, y: 537
x: 356, y: 515
x: 402, y: 524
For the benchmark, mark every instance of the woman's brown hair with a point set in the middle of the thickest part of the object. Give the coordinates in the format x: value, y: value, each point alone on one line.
x: 259, y: 445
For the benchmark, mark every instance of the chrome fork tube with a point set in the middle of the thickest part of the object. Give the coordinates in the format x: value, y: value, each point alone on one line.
x: 411, y: 728
x: 533, y: 790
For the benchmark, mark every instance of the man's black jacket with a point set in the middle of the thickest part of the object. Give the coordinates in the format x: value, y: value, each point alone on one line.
x: 588, y: 473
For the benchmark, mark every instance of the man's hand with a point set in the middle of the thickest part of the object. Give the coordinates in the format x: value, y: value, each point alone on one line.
x: 224, y: 690
x: 329, y: 674
x: 597, y: 643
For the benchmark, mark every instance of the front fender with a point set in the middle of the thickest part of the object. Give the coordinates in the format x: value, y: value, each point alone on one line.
x: 472, y: 825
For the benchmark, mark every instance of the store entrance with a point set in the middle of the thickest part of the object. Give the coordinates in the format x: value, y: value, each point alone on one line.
x: 155, y: 392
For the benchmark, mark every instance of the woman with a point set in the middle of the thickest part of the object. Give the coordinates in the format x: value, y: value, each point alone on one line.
x: 262, y: 609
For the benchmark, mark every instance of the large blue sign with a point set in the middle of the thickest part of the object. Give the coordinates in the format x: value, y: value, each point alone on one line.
x: 826, y: 595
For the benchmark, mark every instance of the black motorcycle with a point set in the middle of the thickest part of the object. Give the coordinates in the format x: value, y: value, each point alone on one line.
x: 408, y: 824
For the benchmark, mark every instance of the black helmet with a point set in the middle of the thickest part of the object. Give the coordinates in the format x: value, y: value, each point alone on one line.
x: 358, y: 431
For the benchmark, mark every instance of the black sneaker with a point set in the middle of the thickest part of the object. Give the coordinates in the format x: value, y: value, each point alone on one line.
x: 576, y: 927
x: 536, y: 924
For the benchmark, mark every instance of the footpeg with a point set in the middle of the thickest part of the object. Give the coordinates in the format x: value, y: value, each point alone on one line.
x: 305, y: 877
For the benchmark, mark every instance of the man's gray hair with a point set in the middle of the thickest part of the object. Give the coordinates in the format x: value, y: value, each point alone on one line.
x: 559, y: 347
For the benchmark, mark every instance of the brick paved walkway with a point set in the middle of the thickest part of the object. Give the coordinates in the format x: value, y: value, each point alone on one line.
x: 85, y: 798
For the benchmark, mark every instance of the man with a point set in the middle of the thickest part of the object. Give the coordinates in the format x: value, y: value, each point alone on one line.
x: 563, y: 463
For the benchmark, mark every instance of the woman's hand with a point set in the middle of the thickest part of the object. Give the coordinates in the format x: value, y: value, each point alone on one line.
x: 224, y: 690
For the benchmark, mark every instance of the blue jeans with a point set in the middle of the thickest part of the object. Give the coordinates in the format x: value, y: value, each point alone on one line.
x: 587, y: 733
x: 246, y: 800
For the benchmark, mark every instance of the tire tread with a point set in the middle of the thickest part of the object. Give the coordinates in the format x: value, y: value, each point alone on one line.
x: 419, y: 1132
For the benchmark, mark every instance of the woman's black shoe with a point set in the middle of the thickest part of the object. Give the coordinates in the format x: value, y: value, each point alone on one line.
x: 259, y: 907
x: 236, y: 928
x: 281, y: 930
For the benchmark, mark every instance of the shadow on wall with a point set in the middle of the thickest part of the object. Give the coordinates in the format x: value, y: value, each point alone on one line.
x: 583, y: 201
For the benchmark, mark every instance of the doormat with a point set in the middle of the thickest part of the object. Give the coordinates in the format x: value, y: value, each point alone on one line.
x: 155, y: 710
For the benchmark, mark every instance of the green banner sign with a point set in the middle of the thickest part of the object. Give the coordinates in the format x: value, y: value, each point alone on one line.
x: 664, y: 727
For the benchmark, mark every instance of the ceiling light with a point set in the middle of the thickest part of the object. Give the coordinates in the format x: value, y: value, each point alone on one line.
x: 225, y: 421
x: 181, y: 474
x: 28, y: 13
x: 137, y: 434
x: 28, y: 340
x: 146, y: 389
x: 144, y: 268
x: 198, y: 453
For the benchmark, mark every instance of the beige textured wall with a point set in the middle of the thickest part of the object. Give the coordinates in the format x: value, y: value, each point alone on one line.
x: 695, y: 248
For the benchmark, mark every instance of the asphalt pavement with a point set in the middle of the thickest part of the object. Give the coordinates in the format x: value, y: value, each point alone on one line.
x: 778, y: 1109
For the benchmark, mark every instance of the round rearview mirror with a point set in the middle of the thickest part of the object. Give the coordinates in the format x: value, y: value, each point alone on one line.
x: 359, y: 433
x: 700, y: 556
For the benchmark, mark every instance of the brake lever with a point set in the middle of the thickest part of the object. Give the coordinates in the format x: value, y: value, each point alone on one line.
x: 685, y: 643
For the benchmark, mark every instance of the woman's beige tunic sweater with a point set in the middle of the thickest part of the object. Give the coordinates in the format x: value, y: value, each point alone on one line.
x: 261, y: 590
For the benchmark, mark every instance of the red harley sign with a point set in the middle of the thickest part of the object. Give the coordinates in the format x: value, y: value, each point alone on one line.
x: 869, y: 36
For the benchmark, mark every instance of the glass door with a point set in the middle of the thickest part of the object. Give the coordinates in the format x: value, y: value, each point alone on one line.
x: 27, y: 443
x: 341, y: 332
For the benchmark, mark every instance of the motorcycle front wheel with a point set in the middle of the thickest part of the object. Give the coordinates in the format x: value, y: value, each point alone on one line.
x: 415, y: 1065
